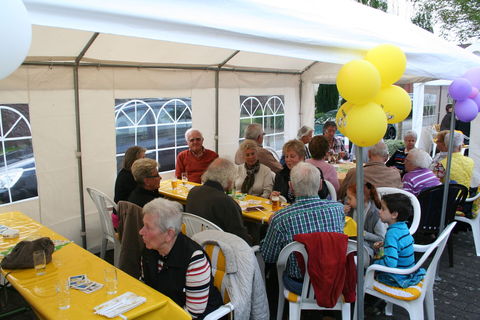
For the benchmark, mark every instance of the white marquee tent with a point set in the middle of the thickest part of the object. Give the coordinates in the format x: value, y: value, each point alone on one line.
x: 86, y: 53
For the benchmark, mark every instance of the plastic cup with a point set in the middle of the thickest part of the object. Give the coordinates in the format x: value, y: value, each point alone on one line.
x: 39, y: 262
x: 63, y: 294
x: 111, y: 280
x: 184, y: 178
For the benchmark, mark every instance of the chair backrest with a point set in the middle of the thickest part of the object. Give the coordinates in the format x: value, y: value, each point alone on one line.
x: 219, y: 269
x: 193, y: 224
x: 105, y: 206
x: 417, y: 212
x: 439, y: 245
x: 130, y: 223
x: 431, y: 205
x: 331, y: 190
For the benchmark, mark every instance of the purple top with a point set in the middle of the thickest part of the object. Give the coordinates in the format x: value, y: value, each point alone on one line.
x: 419, y: 179
x: 329, y: 172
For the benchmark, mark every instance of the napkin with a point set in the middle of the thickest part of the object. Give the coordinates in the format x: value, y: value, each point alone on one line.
x: 123, y: 303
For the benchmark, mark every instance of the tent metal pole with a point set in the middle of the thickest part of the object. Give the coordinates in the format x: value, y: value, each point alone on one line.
x: 217, y: 107
x: 360, y: 213
x: 83, y: 232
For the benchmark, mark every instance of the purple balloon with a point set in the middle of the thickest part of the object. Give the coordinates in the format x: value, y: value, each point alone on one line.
x: 474, y: 93
x: 477, y: 101
x: 473, y: 75
x: 460, y: 89
x: 466, y: 110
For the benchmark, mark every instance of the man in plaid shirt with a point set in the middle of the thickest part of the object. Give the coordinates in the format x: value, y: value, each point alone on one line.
x: 308, y: 214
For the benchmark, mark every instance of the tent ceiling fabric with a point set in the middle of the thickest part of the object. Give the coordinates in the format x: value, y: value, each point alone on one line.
x: 272, y: 35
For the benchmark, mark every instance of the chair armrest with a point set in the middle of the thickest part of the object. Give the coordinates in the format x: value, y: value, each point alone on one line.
x: 377, y: 267
x: 220, y: 312
x: 421, y: 247
x: 475, y: 197
x: 256, y: 248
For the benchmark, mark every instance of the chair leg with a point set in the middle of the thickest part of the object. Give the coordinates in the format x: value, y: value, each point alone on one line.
x: 294, y: 311
x: 103, y: 248
x: 346, y: 311
x: 429, y: 305
x: 389, y: 309
x: 476, y: 234
x: 116, y: 253
x: 450, y: 251
x: 281, y: 303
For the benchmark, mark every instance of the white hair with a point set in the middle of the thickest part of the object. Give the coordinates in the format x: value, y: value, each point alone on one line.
x: 410, y: 133
x: 419, y: 158
x: 379, y: 149
x: 304, y: 131
x: 167, y: 214
x: 222, y: 171
x: 253, y: 131
x: 191, y: 130
x: 457, y: 139
x: 305, y: 179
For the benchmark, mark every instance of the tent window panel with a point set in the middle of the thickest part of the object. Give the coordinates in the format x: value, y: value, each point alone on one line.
x: 159, y: 125
x: 267, y: 111
x: 166, y: 136
x: 180, y: 150
x: 125, y: 139
x: 120, y: 162
x: 23, y: 188
x: 166, y: 158
x: 18, y: 179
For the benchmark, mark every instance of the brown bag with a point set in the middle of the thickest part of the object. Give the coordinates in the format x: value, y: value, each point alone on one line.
x: 21, y: 256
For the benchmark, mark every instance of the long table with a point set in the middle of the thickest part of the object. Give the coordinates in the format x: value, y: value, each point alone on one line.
x: 40, y: 291
x: 248, y: 203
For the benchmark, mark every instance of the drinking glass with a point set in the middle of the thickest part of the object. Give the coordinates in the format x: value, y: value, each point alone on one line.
x: 184, y: 178
x: 39, y: 262
x: 174, y: 183
x: 275, y: 203
x: 63, y: 294
x: 111, y: 280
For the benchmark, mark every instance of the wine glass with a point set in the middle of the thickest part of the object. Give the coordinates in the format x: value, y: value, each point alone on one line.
x: 184, y: 178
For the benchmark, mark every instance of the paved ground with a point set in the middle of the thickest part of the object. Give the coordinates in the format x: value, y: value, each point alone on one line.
x: 457, y: 293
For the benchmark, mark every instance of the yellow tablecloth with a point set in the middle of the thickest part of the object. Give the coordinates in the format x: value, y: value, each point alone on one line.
x: 71, y: 260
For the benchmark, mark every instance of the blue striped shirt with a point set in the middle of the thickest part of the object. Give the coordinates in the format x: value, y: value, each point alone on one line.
x: 306, y: 215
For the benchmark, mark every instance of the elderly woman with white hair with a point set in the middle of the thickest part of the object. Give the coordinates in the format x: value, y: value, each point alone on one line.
x: 397, y: 159
x: 253, y: 177
x: 418, y: 176
x: 173, y: 264
x: 305, y: 134
x: 461, y: 170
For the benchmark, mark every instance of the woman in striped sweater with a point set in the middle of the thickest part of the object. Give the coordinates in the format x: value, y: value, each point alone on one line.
x: 174, y: 264
x: 398, y: 246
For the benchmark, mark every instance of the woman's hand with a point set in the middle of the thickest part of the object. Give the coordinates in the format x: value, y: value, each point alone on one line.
x: 346, y: 209
x: 274, y: 194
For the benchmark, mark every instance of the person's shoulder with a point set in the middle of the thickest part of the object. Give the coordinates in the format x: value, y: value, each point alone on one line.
x: 210, y: 153
x: 182, y: 154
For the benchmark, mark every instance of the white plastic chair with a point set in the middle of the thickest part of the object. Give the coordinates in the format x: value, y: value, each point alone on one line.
x: 414, y: 307
x: 307, y: 299
x: 105, y: 207
x: 331, y: 190
x: 194, y: 224
x: 474, y: 224
x: 416, y: 205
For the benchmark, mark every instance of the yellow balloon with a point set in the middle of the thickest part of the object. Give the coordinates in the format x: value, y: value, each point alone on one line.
x: 390, y: 61
x: 366, y: 124
x: 358, y: 81
x: 341, y: 117
x: 395, y: 102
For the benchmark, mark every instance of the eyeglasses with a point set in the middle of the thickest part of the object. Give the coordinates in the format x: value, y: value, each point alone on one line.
x: 195, y: 139
x: 157, y: 176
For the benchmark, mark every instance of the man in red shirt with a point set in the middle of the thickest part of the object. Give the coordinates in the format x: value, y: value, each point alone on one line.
x: 196, y: 159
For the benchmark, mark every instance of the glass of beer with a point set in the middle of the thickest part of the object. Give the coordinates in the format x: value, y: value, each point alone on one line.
x: 275, y: 203
x: 174, y: 183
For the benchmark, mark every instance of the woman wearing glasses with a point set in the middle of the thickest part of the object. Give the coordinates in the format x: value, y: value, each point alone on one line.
x: 145, y: 172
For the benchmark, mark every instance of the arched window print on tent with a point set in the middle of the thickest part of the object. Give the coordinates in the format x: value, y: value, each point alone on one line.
x: 269, y: 111
x: 18, y: 180
x: 157, y: 124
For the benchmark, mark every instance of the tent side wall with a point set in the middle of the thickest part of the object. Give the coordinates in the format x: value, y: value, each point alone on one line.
x: 50, y: 95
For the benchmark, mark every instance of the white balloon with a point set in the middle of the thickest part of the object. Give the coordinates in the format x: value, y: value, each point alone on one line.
x: 15, y: 36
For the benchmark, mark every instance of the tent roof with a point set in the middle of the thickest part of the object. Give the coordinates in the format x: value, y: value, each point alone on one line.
x: 268, y: 35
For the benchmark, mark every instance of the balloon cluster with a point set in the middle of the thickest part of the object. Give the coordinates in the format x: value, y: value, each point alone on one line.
x: 465, y: 91
x: 372, y: 99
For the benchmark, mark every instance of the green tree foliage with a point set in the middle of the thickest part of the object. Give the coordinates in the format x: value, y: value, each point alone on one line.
x: 423, y: 19
x: 377, y: 4
x: 326, y: 98
x: 461, y: 17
